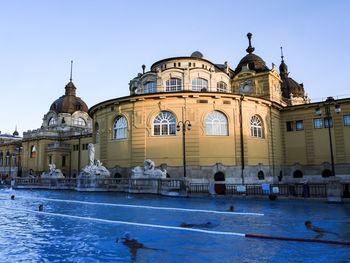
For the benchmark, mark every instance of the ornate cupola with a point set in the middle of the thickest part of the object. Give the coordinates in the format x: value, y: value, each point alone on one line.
x: 252, y: 61
x: 292, y: 92
x: 69, y: 103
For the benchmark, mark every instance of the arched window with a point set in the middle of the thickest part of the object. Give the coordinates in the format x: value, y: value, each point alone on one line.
x: 199, y: 85
x: 52, y: 121
x: 221, y: 87
x: 298, y: 174
x: 120, y: 127
x: 173, y: 84
x: 1, y: 158
x: 164, y: 124
x: 97, y: 132
x: 7, y: 159
x: 150, y: 87
x: 256, y: 127
x: 80, y: 121
x: 32, y: 152
x: 216, y: 124
x: 261, y: 175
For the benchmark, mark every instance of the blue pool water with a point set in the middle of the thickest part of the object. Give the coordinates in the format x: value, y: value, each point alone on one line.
x: 66, y: 231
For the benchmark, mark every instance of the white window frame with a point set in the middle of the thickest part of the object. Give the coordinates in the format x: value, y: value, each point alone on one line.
x: 120, y: 128
x: 256, y: 127
x: 173, y: 84
x: 199, y: 83
x: 150, y: 87
x: 216, y: 124
x: 164, y: 124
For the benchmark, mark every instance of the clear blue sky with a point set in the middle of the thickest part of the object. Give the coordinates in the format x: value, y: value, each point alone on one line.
x: 110, y: 40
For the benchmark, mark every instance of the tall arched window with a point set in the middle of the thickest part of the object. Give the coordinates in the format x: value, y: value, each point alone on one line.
x: 150, y: 87
x: 80, y: 121
x: 256, y: 127
x: 173, y: 84
x: 199, y: 85
x: 221, y: 87
x: 8, y: 159
x: 52, y: 121
x: 1, y: 158
x: 32, y: 152
x: 164, y: 124
x: 216, y: 124
x: 97, y: 133
x: 120, y: 128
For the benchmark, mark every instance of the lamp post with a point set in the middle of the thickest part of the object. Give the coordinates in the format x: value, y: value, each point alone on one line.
x: 327, y: 105
x: 178, y: 128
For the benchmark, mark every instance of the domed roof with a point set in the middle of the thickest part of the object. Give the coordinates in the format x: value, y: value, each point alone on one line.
x: 197, y: 54
x: 253, y: 61
x: 289, y: 86
x: 69, y: 103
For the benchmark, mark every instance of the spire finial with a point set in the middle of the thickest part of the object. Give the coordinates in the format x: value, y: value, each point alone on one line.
x: 143, y: 68
x: 250, y: 49
x: 71, y: 70
x: 282, y: 54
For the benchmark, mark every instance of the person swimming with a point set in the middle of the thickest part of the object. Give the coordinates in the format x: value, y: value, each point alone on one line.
x: 318, y: 230
x: 232, y: 208
x: 12, y: 197
x: 41, y: 207
x: 133, y: 245
x: 207, y: 225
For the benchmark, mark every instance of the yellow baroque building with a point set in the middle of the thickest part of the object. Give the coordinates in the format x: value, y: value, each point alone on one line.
x: 250, y: 124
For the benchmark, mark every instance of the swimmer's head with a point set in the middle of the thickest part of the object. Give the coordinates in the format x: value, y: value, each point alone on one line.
x: 307, y: 223
x: 41, y: 207
x: 127, y: 236
x: 12, y: 197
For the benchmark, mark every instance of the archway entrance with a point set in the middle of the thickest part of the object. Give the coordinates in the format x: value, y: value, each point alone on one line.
x: 220, y: 188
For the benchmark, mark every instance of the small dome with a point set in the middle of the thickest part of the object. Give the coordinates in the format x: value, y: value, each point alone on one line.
x: 15, y: 133
x: 254, y: 62
x: 69, y: 103
x: 289, y: 86
x: 197, y: 54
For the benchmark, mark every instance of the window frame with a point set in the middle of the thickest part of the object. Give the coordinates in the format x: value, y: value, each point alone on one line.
x: 147, y: 89
x: 33, y: 151
x: 299, y: 127
x: 220, y: 89
x: 216, y: 124
x: 346, y: 120
x: 198, y: 84
x: 164, y: 123
x: 120, y: 128
x: 79, y: 121
x: 256, y: 129
x: 52, y: 121
x: 318, y: 123
x: 176, y: 86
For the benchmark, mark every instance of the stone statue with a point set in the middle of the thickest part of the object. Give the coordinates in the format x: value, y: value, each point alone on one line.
x: 53, y: 173
x: 95, y: 167
x: 91, y: 154
x: 148, y: 171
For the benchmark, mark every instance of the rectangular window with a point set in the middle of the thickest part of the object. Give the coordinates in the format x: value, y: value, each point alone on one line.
x: 326, y: 122
x: 299, y: 125
x: 194, y: 64
x: 290, y: 125
x: 346, y: 120
x: 50, y: 159
x: 63, y: 161
x: 179, y: 64
x: 174, y: 64
x: 318, y: 123
x: 189, y: 64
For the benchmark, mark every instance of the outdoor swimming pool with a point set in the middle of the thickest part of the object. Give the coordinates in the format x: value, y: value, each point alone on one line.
x: 68, y: 230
